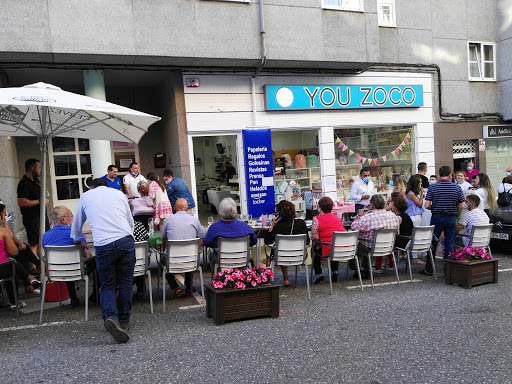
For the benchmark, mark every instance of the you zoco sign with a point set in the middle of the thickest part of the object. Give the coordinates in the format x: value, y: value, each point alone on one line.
x: 290, y: 97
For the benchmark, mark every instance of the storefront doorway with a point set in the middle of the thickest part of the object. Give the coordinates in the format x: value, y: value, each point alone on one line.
x: 216, y: 173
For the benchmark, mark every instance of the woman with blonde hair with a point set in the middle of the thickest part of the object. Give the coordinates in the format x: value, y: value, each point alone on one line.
x: 398, y: 184
x: 486, y: 192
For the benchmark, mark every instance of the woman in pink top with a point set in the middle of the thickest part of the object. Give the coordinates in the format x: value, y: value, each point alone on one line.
x: 9, y: 249
x: 158, y: 198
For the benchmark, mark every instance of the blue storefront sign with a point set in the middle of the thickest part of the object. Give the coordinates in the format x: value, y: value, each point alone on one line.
x: 259, y: 173
x: 293, y: 97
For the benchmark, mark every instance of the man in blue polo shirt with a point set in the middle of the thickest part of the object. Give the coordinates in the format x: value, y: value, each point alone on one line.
x: 446, y: 201
x: 111, y: 178
x: 60, y: 234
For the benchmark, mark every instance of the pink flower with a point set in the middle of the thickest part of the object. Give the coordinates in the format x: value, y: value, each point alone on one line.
x: 264, y: 278
x: 253, y: 283
x: 240, y: 285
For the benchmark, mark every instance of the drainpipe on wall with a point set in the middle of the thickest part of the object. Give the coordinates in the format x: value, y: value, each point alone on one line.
x: 262, y: 64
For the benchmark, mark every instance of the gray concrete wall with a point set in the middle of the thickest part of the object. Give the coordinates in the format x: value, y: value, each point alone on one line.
x: 504, y: 17
x: 299, y: 34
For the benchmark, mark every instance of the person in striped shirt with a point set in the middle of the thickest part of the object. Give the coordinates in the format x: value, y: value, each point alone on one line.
x: 446, y: 201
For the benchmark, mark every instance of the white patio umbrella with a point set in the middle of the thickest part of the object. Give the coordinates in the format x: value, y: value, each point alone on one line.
x: 46, y: 111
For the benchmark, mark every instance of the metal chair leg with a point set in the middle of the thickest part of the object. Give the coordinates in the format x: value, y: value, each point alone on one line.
x: 330, y: 275
x: 359, y: 274
x: 148, y: 273
x: 408, y: 255
x: 396, y: 268
x: 86, y: 278
x: 433, y: 265
x: 43, y: 295
x: 163, y: 288
x: 370, y: 267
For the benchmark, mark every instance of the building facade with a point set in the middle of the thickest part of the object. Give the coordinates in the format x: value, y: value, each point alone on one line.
x: 151, y: 54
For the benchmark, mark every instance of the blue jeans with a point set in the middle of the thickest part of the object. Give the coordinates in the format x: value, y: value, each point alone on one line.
x: 115, y: 263
x: 442, y: 224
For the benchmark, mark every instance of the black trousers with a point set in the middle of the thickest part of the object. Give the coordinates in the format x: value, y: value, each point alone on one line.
x: 317, y: 262
x: 6, y: 271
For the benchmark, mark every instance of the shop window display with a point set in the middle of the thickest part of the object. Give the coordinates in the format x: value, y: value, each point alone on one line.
x: 296, y: 168
x: 383, y: 150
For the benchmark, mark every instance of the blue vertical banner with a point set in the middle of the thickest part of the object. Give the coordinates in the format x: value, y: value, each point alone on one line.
x: 259, y: 171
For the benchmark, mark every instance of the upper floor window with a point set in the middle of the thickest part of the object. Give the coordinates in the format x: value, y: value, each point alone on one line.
x: 345, y: 5
x: 386, y: 13
x: 482, y: 61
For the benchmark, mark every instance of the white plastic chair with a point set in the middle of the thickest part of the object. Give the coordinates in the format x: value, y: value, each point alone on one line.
x: 382, y: 245
x: 64, y: 263
x: 481, y: 237
x: 141, y: 266
x: 182, y: 256
x: 420, y: 241
x: 291, y: 251
x: 232, y: 252
x: 10, y: 264
x: 344, y: 249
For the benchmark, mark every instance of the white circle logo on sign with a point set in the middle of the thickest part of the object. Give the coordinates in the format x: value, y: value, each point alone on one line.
x: 284, y: 97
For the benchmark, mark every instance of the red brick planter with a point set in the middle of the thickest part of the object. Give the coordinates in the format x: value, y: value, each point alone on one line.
x: 469, y: 274
x: 238, y: 304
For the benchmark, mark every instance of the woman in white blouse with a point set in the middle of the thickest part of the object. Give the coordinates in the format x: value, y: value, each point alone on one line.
x: 486, y: 193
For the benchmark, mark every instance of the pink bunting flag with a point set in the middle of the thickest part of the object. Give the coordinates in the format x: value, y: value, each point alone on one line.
x: 397, y: 151
x: 406, y: 140
x: 364, y: 159
x: 358, y: 159
x: 374, y: 161
x: 384, y: 158
x: 400, y: 147
x: 344, y: 148
x: 341, y: 143
x: 408, y: 135
x: 339, y: 146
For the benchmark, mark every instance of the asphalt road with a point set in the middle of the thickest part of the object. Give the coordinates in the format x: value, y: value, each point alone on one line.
x: 420, y: 332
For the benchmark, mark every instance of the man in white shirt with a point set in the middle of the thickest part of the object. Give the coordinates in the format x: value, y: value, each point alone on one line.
x: 131, y: 180
x: 362, y: 190
x: 111, y: 223
x: 474, y: 216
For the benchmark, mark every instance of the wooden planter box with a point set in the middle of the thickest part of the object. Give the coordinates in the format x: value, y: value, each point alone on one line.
x: 238, y: 304
x: 469, y: 274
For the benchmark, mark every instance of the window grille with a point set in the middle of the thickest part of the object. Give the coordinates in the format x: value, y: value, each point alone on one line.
x: 464, y: 149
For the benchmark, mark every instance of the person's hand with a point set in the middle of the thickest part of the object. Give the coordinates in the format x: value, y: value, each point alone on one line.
x: 22, y: 246
x: 87, y: 253
x: 364, y: 197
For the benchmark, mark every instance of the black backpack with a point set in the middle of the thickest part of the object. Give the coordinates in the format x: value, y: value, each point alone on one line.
x: 505, y: 198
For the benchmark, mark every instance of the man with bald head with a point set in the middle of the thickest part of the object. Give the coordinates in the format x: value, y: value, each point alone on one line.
x: 60, y: 234
x: 181, y: 226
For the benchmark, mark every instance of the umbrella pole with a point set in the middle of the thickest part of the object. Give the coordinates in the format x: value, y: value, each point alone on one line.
x: 42, y: 200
